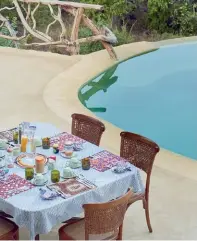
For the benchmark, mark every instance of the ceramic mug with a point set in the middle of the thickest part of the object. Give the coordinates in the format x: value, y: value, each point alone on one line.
x: 39, y: 179
x: 68, y: 172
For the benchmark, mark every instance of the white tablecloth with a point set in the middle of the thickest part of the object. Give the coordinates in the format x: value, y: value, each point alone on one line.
x: 40, y: 216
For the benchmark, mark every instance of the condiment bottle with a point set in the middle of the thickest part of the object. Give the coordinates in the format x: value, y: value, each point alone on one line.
x: 39, y: 164
x: 68, y: 149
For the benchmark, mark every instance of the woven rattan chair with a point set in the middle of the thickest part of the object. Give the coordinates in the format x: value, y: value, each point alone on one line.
x: 102, y: 221
x: 87, y: 128
x: 141, y: 152
x: 8, y: 230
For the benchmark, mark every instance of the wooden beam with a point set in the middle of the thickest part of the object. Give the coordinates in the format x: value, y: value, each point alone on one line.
x: 75, y: 29
x: 66, y: 4
x: 88, y: 23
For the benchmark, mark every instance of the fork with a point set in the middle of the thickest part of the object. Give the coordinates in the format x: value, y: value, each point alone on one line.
x: 81, y: 176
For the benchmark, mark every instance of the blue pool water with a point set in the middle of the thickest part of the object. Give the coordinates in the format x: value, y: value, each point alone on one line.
x: 154, y: 95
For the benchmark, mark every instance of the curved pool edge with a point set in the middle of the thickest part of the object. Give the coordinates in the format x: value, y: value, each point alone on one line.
x: 108, y: 68
x: 61, y: 96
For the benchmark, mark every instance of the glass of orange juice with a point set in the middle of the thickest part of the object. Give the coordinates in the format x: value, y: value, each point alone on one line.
x: 24, y: 141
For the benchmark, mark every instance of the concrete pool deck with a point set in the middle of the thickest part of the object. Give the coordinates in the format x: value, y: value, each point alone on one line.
x: 44, y: 87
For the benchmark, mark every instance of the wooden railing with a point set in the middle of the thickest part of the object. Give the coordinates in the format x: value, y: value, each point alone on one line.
x: 26, y: 10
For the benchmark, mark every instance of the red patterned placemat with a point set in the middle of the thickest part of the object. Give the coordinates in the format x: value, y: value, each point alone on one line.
x: 71, y: 187
x: 63, y: 137
x: 14, y: 185
x: 7, y: 134
x: 105, y: 160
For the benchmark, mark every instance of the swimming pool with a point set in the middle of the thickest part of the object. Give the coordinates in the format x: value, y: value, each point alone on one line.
x: 154, y: 94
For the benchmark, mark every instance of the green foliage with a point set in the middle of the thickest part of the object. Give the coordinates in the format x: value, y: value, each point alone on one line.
x: 111, y: 8
x: 122, y: 35
x: 5, y: 31
x: 172, y: 16
x: 87, y: 48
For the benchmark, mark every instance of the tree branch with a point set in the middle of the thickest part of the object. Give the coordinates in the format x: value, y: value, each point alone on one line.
x: 59, y: 19
x: 7, y: 8
x: 75, y: 29
x: 9, y: 27
x: 65, y: 3
x: 26, y: 25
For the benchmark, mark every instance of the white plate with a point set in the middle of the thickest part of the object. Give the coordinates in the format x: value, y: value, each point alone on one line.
x: 61, y: 175
x: 28, y: 159
x: 4, y: 148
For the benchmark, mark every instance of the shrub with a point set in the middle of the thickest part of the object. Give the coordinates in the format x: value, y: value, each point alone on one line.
x: 5, y: 31
x: 172, y: 16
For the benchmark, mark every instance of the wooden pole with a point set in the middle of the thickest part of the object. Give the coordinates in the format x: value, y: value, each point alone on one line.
x: 75, y: 30
x: 88, y: 23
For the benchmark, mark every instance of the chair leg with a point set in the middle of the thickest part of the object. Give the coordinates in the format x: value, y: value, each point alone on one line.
x: 146, y: 207
x: 16, y: 236
x: 37, y: 237
x: 120, y: 233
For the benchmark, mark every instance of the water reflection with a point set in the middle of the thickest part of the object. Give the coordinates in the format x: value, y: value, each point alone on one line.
x: 92, y: 87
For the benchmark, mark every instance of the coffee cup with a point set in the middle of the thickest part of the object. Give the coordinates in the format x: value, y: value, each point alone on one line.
x: 68, y: 172
x: 39, y: 179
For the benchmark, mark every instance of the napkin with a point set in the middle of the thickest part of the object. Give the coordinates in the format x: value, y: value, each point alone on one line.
x: 47, y: 194
x: 77, y: 146
x: 122, y: 167
x: 3, y: 173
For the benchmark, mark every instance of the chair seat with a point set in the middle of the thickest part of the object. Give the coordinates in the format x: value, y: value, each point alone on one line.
x: 6, y: 226
x: 76, y: 231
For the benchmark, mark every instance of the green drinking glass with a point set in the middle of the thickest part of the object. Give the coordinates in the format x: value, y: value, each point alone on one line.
x: 29, y: 173
x: 55, y: 176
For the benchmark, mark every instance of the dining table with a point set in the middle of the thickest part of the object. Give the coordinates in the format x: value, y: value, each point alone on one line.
x: 39, y: 216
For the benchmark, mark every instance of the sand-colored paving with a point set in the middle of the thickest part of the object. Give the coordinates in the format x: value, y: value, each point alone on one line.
x: 43, y: 87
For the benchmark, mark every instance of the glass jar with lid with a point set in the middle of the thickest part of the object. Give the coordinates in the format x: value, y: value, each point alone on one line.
x: 68, y: 149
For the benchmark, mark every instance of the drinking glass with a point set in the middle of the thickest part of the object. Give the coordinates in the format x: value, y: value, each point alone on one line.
x: 29, y: 173
x: 55, y: 176
x: 24, y: 141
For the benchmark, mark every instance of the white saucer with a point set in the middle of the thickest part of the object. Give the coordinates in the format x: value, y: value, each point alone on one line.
x: 35, y: 184
x: 64, y: 156
x: 61, y: 175
x: 3, y: 148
